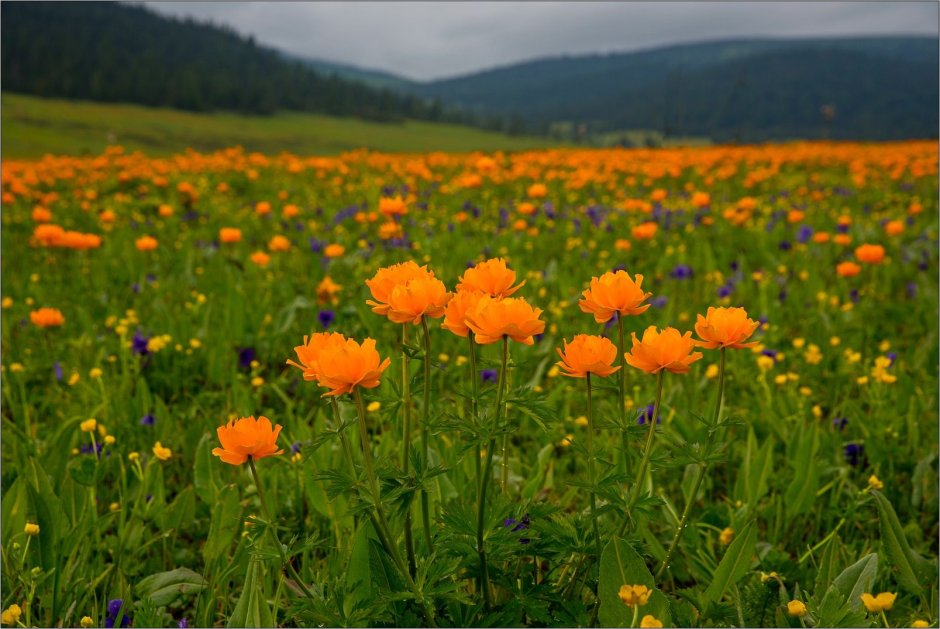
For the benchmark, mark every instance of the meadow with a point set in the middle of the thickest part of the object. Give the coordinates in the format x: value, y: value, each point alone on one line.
x: 557, y: 387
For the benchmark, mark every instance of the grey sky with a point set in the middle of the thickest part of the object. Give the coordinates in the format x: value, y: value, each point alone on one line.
x: 425, y: 40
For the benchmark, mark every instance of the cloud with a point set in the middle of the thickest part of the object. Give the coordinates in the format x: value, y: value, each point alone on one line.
x: 428, y: 40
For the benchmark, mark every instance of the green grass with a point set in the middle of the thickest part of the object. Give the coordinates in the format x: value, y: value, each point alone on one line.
x: 33, y: 127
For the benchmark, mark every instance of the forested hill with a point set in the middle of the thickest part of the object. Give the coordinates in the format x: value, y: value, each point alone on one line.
x: 123, y: 53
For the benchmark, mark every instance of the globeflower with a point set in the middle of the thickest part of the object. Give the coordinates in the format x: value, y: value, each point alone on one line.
x: 393, y: 206
x: 880, y: 603
x: 455, y: 314
x: 634, y: 595
x: 870, y: 254
x: 162, y: 452
x: 47, y: 317
x: 670, y: 350
x: 491, y: 277
x: 848, y: 269
x: 796, y: 608
x: 344, y: 364
x: 260, y: 258
x: 386, y: 279
x: 247, y: 437
x: 587, y: 354
x: 11, y: 615
x: 419, y: 298
x: 614, y: 293
x: 328, y: 291
x: 230, y: 234
x: 725, y: 327
x: 645, y: 231
x: 493, y: 319
x: 334, y: 250
x: 309, y: 352
x: 146, y: 243
x: 279, y: 243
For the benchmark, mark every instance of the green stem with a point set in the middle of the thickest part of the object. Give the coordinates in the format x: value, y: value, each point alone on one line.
x: 380, y: 520
x: 426, y: 410
x: 592, y: 479
x: 406, y: 444
x: 698, y: 480
x: 644, y: 463
x: 487, y: 473
x: 474, y: 389
x: 622, y: 383
x: 273, y: 529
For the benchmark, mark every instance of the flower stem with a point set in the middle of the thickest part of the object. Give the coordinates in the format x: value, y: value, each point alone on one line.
x: 644, y: 463
x: 622, y: 385
x: 698, y: 481
x: 592, y: 478
x: 487, y: 474
x: 383, y: 529
x: 273, y: 529
x: 474, y: 393
x: 426, y: 410
x: 406, y: 443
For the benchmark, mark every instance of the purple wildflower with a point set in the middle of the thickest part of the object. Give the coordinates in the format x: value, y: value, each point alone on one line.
x: 326, y: 318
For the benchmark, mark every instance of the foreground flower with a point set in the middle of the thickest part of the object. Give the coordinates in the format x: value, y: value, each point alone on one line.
x: 11, y: 615
x: 796, y: 608
x: 247, y: 437
x: 588, y: 354
x: 419, y: 298
x: 455, y: 314
x: 386, y: 279
x: 492, y: 319
x: 880, y: 603
x: 870, y: 254
x: 614, y: 293
x: 670, y: 350
x: 491, y: 277
x: 634, y: 595
x: 725, y: 327
x: 47, y: 317
x: 309, y: 352
x: 343, y: 365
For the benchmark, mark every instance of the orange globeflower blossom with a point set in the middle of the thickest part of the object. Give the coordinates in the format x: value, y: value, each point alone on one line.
x: 386, y: 279
x: 645, y: 231
x: 614, y: 292
x: 821, y: 237
x: 165, y: 210
x: 48, y: 235
x: 870, y: 254
x: 334, y: 250
x: 230, y: 234
x: 41, y: 214
x: 526, y: 209
x: 419, y: 298
x: 842, y: 239
x: 343, y: 365
x: 848, y: 269
x: 491, y: 277
x: 389, y: 230
x: 146, y: 243
x: 725, y: 327
x: 393, y: 206
x: 670, y: 350
x: 658, y: 195
x: 260, y: 258
x: 309, y: 352
x: 290, y: 211
x: 262, y: 208
x: 537, y: 190
x: 455, y: 314
x: 47, y: 317
x: 588, y: 354
x: 328, y: 290
x: 492, y: 319
x: 247, y: 437
x: 701, y: 199
x: 278, y: 243
x: 893, y: 228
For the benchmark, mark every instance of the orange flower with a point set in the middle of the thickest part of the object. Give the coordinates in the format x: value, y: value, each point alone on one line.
x: 386, y: 279
x: 309, y: 352
x: 893, y: 228
x: 821, y: 237
x: 230, y: 234
x: 645, y: 231
x: 537, y: 190
x: 588, y: 354
x: 525, y: 208
x: 290, y: 211
x: 658, y: 195
x: 47, y: 317
x: 343, y: 365
x: 491, y: 277
x: 260, y: 258
x: 418, y: 298
x: 455, y: 314
x: 262, y: 208
x: 279, y: 243
x: 670, y: 350
x: 41, y: 214
x: 390, y: 229
x: 614, y: 293
x: 725, y: 327
x: 701, y: 199
x: 48, y: 235
x: 848, y: 269
x: 492, y: 319
x: 334, y: 250
x: 394, y: 206
x: 842, y: 239
x: 870, y: 254
x: 328, y: 290
x: 146, y: 243
x: 165, y: 210
x: 247, y: 437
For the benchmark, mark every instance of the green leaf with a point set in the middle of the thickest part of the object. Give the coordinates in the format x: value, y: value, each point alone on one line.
x: 226, y: 520
x: 180, y: 512
x: 621, y: 565
x: 911, y: 569
x: 83, y: 470
x: 543, y: 466
x: 252, y: 609
x: 164, y: 588
x: 734, y: 564
x: 801, y: 493
x: 204, y: 475
x: 827, y: 564
x: 842, y: 606
x: 358, y: 570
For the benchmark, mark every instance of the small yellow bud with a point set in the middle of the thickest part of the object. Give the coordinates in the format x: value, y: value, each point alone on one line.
x: 31, y: 529
x: 374, y: 406
x: 109, y: 440
x: 726, y: 536
x: 89, y: 425
x: 796, y: 609
x: 875, y: 483
x: 87, y: 622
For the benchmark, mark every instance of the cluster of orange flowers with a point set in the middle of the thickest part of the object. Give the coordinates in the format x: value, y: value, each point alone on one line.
x: 50, y: 235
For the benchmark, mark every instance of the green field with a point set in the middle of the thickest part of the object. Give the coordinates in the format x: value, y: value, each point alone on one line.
x: 33, y: 127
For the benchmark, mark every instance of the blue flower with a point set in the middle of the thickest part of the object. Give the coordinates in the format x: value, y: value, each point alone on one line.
x: 488, y: 375
x: 147, y: 420
x: 659, y: 301
x: 245, y: 356
x: 326, y: 317
x: 682, y: 272
x: 183, y: 623
x: 114, y: 608
x: 853, y: 453
x: 139, y: 344
x: 804, y: 233
x: 58, y: 370
x: 646, y: 414
x: 840, y: 422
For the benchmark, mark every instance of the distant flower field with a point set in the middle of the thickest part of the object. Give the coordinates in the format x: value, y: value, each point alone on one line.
x: 626, y: 388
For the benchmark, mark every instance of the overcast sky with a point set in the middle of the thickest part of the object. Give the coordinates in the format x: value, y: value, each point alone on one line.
x: 425, y: 40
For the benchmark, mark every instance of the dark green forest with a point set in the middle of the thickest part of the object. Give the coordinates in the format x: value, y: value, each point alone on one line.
x: 112, y: 52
